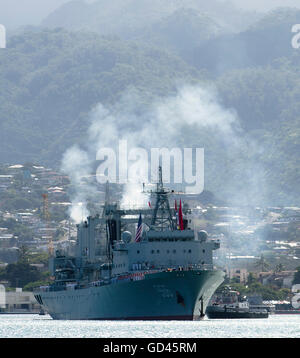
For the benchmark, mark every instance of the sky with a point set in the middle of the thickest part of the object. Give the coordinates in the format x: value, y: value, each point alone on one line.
x: 14, y: 13
x: 265, y: 5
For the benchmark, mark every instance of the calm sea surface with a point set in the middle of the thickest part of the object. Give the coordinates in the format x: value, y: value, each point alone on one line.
x: 35, y: 326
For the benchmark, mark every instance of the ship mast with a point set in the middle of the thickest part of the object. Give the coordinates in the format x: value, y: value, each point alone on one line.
x: 162, y: 216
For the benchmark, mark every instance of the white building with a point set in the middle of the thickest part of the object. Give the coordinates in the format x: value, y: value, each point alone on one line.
x: 21, y: 302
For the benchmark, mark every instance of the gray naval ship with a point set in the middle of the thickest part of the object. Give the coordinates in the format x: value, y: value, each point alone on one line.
x: 163, y: 272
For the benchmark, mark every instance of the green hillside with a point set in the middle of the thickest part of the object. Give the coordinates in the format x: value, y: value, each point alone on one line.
x: 263, y: 42
x: 50, y: 81
x: 182, y: 32
x: 125, y: 18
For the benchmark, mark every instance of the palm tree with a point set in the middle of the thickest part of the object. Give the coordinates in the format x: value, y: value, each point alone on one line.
x: 23, y: 256
x: 279, y: 268
x: 251, y: 278
x: 296, y: 279
x: 262, y: 263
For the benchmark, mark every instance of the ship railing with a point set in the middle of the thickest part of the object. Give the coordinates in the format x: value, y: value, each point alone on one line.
x: 203, y: 267
x: 163, y: 268
x: 56, y: 288
x: 150, y: 269
x: 125, y: 277
x: 41, y: 288
x: 99, y: 283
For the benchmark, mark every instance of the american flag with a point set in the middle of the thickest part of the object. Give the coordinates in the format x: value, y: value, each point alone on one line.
x: 139, y: 230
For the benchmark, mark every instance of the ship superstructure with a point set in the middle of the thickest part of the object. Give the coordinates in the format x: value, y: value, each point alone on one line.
x: 166, y: 273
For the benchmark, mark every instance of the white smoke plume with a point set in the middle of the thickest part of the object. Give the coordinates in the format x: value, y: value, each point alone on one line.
x: 76, y: 163
x: 166, y: 122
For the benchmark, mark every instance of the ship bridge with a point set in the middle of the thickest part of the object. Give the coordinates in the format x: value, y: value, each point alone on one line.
x: 163, y: 250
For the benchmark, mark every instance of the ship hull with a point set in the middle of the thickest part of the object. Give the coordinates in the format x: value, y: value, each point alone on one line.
x: 177, y: 295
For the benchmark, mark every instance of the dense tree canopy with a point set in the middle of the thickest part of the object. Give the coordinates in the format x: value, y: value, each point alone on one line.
x: 21, y: 273
x: 50, y: 81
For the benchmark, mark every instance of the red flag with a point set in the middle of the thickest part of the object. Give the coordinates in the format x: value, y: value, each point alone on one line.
x: 180, y: 216
x: 149, y: 204
x: 177, y: 218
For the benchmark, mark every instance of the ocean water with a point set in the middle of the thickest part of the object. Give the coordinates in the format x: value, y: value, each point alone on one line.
x: 35, y: 326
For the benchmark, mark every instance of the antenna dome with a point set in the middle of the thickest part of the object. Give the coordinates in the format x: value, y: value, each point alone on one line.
x: 126, y: 237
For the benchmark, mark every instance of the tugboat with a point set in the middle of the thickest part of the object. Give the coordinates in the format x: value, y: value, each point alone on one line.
x: 231, y: 305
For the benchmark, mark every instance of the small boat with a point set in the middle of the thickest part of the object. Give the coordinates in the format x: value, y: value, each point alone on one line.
x: 231, y: 305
